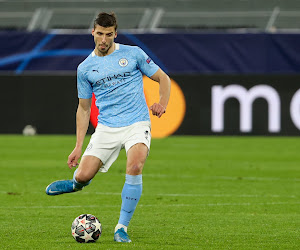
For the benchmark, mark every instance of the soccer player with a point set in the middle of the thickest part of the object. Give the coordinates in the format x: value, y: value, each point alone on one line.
x: 113, y: 72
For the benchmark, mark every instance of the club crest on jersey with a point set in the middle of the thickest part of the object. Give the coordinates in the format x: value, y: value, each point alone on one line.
x: 123, y: 62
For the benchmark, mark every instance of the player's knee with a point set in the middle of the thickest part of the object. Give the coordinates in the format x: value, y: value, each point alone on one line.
x: 135, y: 169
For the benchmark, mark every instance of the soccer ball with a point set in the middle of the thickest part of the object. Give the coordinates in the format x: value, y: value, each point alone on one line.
x: 86, y: 228
x: 29, y: 130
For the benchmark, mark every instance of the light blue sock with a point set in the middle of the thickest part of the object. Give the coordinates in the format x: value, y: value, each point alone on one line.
x: 131, y: 195
x: 79, y: 185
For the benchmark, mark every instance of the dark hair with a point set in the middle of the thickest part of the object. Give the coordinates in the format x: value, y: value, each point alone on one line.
x: 106, y: 20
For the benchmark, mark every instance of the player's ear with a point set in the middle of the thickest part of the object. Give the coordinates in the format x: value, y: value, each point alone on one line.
x: 93, y: 32
x: 116, y: 34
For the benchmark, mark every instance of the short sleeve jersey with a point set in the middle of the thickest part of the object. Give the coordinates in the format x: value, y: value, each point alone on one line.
x: 117, y: 82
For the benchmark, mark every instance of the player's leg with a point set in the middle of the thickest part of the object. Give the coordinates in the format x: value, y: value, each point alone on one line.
x: 132, y: 190
x: 88, y: 168
x: 97, y: 156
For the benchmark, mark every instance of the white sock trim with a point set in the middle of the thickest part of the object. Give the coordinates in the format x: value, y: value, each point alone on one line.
x: 118, y: 226
x: 134, y: 179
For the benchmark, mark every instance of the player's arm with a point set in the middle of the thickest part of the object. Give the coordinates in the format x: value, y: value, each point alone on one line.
x: 163, y: 79
x: 82, y: 123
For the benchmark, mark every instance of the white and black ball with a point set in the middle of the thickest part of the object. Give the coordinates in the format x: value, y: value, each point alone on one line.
x: 86, y: 228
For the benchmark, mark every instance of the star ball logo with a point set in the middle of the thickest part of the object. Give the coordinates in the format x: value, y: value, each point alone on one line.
x: 123, y: 62
x: 170, y: 121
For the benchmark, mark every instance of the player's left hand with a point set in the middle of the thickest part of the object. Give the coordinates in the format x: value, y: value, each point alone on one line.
x: 74, y: 157
x: 157, y: 109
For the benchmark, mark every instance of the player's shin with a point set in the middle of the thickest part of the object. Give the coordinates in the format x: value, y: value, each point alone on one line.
x: 131, y: 194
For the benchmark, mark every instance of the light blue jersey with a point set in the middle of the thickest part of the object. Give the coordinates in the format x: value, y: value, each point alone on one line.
x: 117, y: 82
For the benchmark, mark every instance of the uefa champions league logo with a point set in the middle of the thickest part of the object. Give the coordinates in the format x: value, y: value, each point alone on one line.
x: 123, y: 62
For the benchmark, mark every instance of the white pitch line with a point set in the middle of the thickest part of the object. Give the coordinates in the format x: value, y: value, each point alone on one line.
x: 234, y: 178
x: 156, y: 205
x: 254, y: 178
x: 173, y: 195
x: 203, y: 195
x: 227, y: 195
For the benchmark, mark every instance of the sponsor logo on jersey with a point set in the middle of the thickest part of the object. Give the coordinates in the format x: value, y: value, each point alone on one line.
x: 116, y: 76
x: 123, y: 62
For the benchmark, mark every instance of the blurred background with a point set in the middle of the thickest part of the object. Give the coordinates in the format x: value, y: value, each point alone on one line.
x: 234, y: 64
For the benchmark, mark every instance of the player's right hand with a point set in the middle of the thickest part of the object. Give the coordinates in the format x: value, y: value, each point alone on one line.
x: 74, y: 157
x: 157, y: 109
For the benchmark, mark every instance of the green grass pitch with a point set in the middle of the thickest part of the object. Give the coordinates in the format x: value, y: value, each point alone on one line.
x: 198, y: 192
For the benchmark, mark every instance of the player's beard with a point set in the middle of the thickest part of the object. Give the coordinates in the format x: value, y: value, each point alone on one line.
x: 104, y: 51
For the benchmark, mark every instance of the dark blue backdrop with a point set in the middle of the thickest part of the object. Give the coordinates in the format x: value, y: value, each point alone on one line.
x: 176, y: 53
